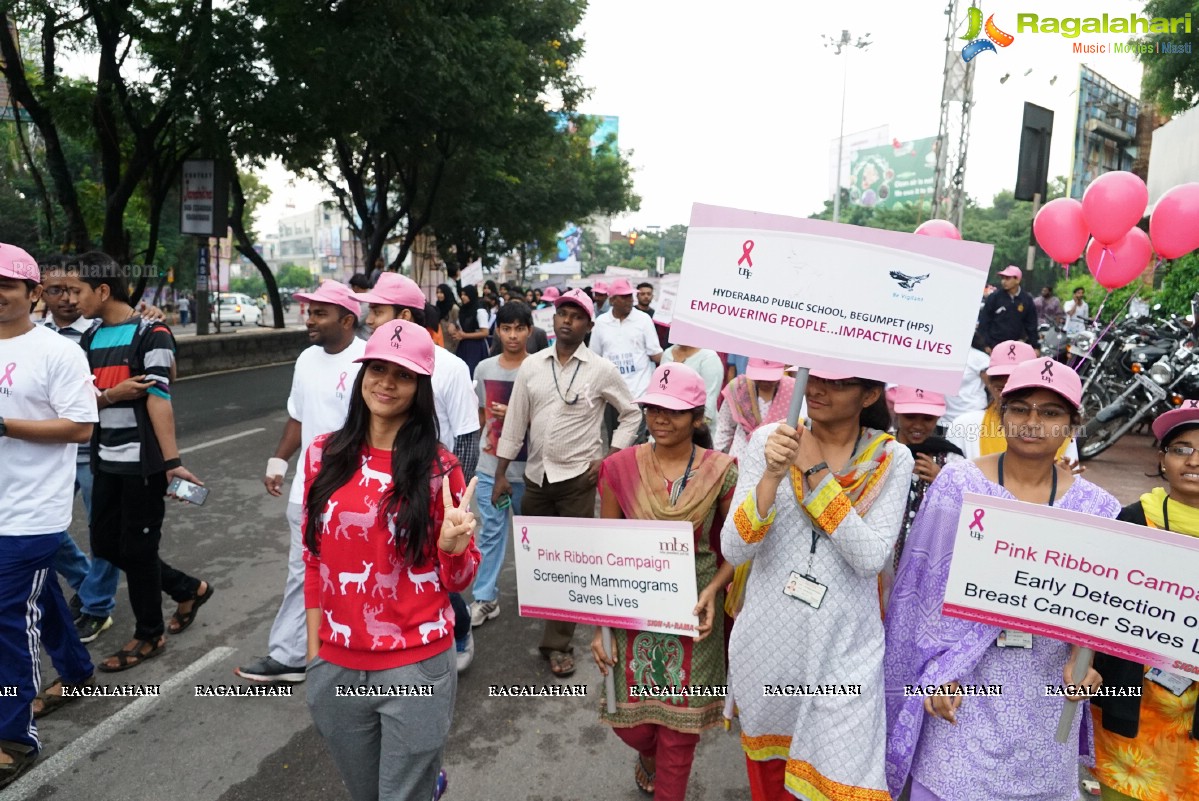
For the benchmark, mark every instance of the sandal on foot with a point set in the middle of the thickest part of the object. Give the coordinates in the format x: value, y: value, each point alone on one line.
x: 562, y: 664
x: 23, y: 757
x: 643, y: 776
x: 132, y: 657
x: 181, y: 620
x: 51, y: 701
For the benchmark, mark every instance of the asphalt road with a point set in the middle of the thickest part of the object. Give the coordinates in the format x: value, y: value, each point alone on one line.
x: 179, y: 746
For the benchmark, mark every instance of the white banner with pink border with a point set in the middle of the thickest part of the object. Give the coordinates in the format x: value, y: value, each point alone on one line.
x: 632, y: 574
x: 1119, y: 588
x: 878, y: 304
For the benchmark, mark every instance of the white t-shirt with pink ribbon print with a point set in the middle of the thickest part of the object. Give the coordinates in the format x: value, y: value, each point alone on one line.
x: 43, y: 376
x: 320, y: 398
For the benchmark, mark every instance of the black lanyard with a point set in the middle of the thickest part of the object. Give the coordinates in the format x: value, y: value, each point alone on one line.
x: 1052, y: 487
x: 1166, y: 513
x: 676, y: 493
x: 573, y: 376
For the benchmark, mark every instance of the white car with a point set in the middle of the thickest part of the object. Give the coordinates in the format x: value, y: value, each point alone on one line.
x: 234, y: 308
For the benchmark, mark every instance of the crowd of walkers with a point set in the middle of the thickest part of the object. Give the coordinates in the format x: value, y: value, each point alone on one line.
x: 421, y: 426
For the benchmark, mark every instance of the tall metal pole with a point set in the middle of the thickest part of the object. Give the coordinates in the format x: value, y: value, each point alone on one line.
x: 839, y: 45
x: 841, y: 131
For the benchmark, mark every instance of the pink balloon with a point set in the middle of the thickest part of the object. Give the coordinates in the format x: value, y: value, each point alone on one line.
x: 1121, y: 263
x: 1061, y: 230
x: 1113, y: 204
x: 1174, y: 224
x: 941, y: 229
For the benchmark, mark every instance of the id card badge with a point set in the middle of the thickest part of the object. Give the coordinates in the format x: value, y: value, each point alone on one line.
x: 806, y: 589
x: 1010, y: 638
x: 1171, y: 681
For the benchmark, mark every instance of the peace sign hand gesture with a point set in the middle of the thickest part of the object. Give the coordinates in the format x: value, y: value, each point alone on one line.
x: 458, y: 524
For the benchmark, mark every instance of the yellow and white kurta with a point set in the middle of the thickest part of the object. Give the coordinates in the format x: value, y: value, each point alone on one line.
x: 833, y: 737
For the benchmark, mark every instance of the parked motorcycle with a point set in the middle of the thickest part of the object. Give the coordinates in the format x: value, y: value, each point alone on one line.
x: 1154, y: 388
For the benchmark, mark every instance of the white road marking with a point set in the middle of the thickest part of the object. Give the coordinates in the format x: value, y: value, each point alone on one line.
x: 61, y: 762
x: 221, y: 441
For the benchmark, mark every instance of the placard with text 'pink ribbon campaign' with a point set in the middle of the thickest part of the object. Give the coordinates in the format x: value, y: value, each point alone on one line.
x: 1126, y: 590
x: 886, y: 305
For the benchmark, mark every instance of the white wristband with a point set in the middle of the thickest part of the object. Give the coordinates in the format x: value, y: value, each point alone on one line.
x: 276, y: 466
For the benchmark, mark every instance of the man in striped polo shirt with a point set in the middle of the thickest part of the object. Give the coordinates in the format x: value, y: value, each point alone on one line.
x: 94, y: 581
x: 134, y: 455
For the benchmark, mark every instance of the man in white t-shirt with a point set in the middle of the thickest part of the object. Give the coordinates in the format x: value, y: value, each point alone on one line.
x: 1077, y: 312
x: 626, y: 337
x: 47, y: 407
x: 320, y: 397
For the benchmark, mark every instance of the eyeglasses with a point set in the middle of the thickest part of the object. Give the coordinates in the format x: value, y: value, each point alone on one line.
x: 836, y: 383
x: 662, y: 411
x: 1022, y: 411
x: 55, y: 291
x: 1183, y: 451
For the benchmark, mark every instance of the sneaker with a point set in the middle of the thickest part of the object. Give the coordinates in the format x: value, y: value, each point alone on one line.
x: 90, y: 626
x: 267, y: 669
x: 443, y: 782
x: 466, y: 654
x: 482, y: 611
x: 76, y: 606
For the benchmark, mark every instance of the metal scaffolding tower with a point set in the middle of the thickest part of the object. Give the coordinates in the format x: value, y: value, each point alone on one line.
x: 953, y: 132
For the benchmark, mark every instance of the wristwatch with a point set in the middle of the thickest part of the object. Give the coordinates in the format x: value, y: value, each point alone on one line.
x: 814, y: 469
x: 3, y: 428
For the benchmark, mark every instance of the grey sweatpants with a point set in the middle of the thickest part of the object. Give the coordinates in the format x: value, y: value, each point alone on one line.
x: 386, y: 748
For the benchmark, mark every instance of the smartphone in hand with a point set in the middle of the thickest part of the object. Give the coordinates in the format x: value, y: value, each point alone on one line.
x: 187, y: 491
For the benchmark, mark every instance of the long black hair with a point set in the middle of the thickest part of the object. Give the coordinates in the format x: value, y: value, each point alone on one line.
x: 876, y: 415
x: 414, y: 463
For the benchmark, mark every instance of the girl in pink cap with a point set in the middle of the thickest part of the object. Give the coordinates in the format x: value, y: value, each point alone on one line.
x: 388, y: 534
x: 677, y: 477
x: 999, y: 746
x: 761, y: 396
x: 1147, y: 743
x: 916, y: 413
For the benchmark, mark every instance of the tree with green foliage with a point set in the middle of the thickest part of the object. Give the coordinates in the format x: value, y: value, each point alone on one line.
x: 529, y: 191
x: 293, y: 276
x: 1172, y: 80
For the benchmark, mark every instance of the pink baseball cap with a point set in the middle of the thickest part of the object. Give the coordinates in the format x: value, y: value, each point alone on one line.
x: 577, y: 297
x: 335, y: 293
x: 1008, y: 355
x: 764, y: 370
x: 393, y: 289
x: 600, y: 287
x: 550, y: 294
x: 675, y: 386
x: 620, y: 286
x: 1012, y: 271
x: 1045, y: 373
x: 1166, y: 422
x: 16, y: 263
x: 913, y: 400
x: 401, y: 342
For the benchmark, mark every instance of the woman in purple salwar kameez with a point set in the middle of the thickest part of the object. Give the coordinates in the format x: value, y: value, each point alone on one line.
x: 957, y: 748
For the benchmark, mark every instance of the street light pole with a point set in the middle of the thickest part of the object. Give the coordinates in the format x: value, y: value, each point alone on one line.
x: 838, y: 45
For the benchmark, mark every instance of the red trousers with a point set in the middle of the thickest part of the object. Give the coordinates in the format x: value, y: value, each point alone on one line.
x: 672, y: 752
x: 768, y: 780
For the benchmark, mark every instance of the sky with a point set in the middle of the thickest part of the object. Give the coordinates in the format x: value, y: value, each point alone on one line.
x: 736, y: 104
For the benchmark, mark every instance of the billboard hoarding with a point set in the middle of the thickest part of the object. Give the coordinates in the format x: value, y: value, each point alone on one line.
x: 895, y: 174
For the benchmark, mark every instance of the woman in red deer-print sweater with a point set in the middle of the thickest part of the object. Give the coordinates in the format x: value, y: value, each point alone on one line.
x: 388, y: 535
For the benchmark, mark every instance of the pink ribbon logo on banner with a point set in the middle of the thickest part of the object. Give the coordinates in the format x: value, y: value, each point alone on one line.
x: 524, y: 537
x: 977, y: 523
x: 8, y: 371
x: 747, y: 248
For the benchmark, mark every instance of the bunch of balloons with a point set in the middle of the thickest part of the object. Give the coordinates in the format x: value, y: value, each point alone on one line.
x: 1104, y: 224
